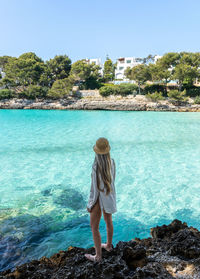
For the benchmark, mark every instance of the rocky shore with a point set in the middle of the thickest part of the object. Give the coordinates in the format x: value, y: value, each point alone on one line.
x: 129, y: 103
x: 173, y: 251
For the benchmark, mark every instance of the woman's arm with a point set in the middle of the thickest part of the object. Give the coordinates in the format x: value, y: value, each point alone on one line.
x: 94, y: 192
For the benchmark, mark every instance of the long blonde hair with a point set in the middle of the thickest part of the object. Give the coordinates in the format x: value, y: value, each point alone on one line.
x: 104, y: 170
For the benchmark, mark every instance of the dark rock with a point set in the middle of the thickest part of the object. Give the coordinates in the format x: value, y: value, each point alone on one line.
x: 173, y: 252
x: 166, y: 231
x: 185, y: 243
x: 135, y: 257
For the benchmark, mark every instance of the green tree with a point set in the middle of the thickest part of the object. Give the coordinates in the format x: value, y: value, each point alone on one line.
x: 148, y: 59
x: 33, y: 92
x: 61, y: 88
x: 139, y: 73
x: 185, y: 73
x: 7, y: 83
x: 58, y: 67
x: 169, y: 60
x: 3, y: 61
x: 6, y: 94
x: 87, y: 73
x: 109, y: 70
x: 160, y: 74
x: 24, y: 70
x: 81, y: 70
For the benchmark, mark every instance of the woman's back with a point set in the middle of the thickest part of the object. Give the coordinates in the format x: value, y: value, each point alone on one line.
x: 102, y: 196
x: 107, y: 201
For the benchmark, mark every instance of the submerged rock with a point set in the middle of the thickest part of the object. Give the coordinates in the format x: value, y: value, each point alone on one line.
x: 172, y: 252
x: 70, y: 198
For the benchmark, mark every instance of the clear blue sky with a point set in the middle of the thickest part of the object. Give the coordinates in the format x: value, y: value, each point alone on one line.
x: 91, y: 28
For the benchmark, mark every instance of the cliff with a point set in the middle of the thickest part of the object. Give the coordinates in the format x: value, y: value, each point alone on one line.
x: 173, y: 251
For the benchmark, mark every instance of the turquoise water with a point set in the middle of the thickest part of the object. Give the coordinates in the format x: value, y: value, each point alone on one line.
x: 46, y: 158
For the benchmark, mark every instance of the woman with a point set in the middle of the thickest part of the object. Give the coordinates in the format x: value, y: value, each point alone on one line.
x: 102, y: 197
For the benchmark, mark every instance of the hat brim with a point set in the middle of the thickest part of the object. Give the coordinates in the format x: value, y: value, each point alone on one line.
x: 96, y: 150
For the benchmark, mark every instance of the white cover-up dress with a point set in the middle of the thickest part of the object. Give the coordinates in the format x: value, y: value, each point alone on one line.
x: 107, y: 202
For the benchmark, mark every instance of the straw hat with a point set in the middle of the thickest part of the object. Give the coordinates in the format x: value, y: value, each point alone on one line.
x: 102, y: 146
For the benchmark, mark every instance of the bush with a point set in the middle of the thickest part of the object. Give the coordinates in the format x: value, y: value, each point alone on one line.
x: 193, y: 91
x: 177, y: 97
x: 122, y: 89
x: 107, y: 90
x: 6, y: 94
x: 197, y: 100
x: 91, y: 83
x: 127, y: 89
x: 33, y: 92
x: 155, y: 96
x: 152, y: 88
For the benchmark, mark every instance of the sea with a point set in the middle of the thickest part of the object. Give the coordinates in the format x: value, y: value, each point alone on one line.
x: 46, y: 159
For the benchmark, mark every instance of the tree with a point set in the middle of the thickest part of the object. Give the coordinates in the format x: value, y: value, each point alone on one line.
x: 148, y: 59
x: 169, y: 60
x: 59, y: 67
x: 109, y: 70
x: 7, y: 83
x: 139, y: 73
x: 4, y: 60
x: 87, y: 73
x: 33, y: 92
x: 80, y: 70
x: 160, y: 74
x: 24, y: 70
x: 187, y: 73
x: 61, y: 88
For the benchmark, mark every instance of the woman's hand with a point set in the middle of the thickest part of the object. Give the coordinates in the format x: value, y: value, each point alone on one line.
x: 89, y: 210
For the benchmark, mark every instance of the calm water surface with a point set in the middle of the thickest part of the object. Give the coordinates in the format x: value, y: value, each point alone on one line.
x: 45, y: 172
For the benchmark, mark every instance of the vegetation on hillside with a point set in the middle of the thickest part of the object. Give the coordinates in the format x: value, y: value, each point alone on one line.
x: 28, y: 76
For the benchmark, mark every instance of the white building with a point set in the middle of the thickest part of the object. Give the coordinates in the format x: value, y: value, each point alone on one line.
x: 122, y: 64
x: 96, y: 61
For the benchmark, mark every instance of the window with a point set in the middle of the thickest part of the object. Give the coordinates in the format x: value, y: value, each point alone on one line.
x: 121, y: 68
x: 128, y: 61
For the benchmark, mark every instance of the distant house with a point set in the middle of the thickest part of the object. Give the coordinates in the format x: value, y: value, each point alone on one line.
x: 96, y: 61
x: 122, y: 64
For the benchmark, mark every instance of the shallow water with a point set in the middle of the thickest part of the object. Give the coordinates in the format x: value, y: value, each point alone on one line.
x: 46, y: 158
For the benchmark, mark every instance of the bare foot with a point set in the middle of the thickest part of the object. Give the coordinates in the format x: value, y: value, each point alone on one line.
x: 93, y: 258
x: 104, y: 245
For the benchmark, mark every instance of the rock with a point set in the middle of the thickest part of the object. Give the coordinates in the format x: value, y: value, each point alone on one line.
x: 185, y: 243
x: 166, y: 231
x: 135, y: 257
x: 172, y: 252
x: 96, y: 102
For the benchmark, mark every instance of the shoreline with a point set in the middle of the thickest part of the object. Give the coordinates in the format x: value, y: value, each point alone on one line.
x: 172, y: 251
x: 129, y: 103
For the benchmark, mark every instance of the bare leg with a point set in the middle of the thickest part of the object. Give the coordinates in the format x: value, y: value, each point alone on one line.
x: 95, y: 217
x: 109, y: 228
